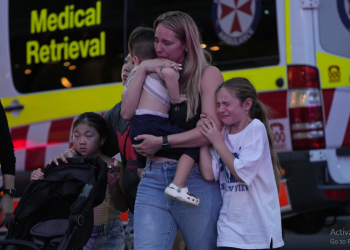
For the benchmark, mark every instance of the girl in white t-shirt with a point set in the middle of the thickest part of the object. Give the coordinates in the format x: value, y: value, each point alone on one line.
x: 244, y: 161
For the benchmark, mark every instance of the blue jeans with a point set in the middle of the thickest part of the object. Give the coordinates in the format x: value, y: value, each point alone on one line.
x: 157, y: 218
x: 108, y: 236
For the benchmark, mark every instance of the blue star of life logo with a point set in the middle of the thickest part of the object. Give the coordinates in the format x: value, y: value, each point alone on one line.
x: 344, y: 12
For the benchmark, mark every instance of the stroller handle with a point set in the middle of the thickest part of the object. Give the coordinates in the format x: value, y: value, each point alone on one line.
x: 94, y: 161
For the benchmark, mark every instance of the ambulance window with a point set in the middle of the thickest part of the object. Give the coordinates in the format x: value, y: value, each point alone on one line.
x: 244, y: 41
x: 334, y: 26
x: 62, y: 44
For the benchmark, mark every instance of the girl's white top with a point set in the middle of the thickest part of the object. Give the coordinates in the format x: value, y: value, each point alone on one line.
x: 250, y: 215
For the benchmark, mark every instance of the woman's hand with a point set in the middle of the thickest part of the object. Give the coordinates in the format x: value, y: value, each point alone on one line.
x: 6, y: 206
x: 37, y: 175
x: 182, y: 99
x: 150, y: 145
x: 155, y: 65
x: 209, y: 129
x: 66, y: 154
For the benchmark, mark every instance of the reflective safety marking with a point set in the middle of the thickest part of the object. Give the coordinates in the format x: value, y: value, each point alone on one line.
x: 37, y: 134
x: 60, y: 130
x: 334, y: 70
x: 277, y: 100
x: 288, y: 38
x: 284, y: 197
x: 327, y: 95
x: 338, y: 118
x: 263, y: 79
x: 52, y: 105
x: 19, y: 137
x: 346, y: 141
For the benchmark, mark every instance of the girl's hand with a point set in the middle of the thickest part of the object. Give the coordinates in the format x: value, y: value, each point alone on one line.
x: 155, y: 65
x: 37, y: 175
x: 209, y: 129
x: 150, y: 145
x: 202, y: 119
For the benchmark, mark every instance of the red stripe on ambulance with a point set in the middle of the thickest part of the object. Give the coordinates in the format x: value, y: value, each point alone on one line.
x: 346, y: 141
x: 60, y: 130
x: 328, y: 95
x: 35, y: 158
x: 19, y: 136
x: 277, y: 101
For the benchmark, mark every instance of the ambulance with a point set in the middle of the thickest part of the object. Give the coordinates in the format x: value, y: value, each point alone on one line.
x: 62, y: 58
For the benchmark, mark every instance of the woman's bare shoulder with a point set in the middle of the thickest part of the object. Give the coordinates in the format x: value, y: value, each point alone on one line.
x: 212, y: 70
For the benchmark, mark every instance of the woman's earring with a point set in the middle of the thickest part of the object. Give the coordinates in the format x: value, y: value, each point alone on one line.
x: 185, y: 50
x: 246, y: 111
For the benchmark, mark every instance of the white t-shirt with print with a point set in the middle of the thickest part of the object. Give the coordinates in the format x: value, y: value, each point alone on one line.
x: 250, y: 215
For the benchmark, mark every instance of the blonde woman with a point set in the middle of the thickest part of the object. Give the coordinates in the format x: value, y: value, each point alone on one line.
x: 157, y: 218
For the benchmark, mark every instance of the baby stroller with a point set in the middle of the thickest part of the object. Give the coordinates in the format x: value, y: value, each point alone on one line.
x: 57, y: 212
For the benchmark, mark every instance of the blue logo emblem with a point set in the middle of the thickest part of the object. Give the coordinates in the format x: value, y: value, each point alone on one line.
x: 344, y: 12
x: 235, y: 21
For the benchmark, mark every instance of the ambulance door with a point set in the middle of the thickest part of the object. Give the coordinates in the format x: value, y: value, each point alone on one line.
x: 332, y: 39
x: 59, y: 59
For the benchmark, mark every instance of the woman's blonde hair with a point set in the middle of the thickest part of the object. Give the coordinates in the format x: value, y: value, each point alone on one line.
x: 243, y: 89
x: 196, y: 59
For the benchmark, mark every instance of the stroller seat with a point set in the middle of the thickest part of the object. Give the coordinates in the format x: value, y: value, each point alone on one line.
x: 50, y: 231
x: 57, y: 212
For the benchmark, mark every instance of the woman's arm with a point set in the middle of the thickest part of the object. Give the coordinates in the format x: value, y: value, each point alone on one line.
x: 211, y: 79
x: 205, y: 164
x: 6, y: 203
x: 8, y: 168
x: 133, y: 93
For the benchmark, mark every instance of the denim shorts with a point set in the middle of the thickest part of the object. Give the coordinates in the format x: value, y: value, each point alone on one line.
x: 108, y: 236
x: 158, y: 218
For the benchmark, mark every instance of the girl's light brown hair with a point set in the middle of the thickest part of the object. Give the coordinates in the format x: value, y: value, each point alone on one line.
x: 196, y: 59
x: 243, y: 90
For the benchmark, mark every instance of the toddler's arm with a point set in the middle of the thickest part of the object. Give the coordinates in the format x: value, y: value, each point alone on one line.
x: 37, y: 175
x: 170, y: 77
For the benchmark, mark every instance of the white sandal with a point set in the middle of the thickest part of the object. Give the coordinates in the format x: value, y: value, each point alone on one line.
x: 181, y: 194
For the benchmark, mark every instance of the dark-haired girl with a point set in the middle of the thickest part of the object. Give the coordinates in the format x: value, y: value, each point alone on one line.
x: 90, y: 137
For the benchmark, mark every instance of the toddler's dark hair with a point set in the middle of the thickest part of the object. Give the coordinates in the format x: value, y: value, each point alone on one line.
x: 141, y: 43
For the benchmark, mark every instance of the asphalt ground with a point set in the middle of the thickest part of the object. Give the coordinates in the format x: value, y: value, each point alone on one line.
x: 335, y: 237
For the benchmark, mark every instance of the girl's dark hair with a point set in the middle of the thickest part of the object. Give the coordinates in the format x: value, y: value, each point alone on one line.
x: 95, y: 120
x: 243, y: 90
